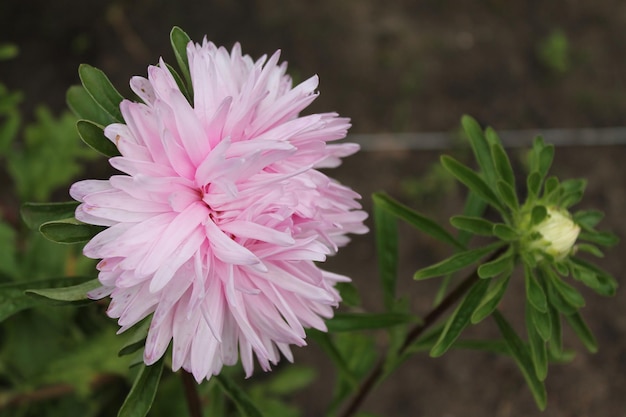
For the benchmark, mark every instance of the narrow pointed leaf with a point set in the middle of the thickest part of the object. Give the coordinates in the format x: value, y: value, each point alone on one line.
x: 503, y: 165
x: 347, y: 322
x: 538, y: 214
x: 180, y: 83
x: 474, y: 207
x: 607, y: 285
x: 179, y: 40
x: 93, y: 135
x: 69, y: 231
x: 577, y: 323
x: 588, y: 219
x: 605, y: 239
x: 36, y: 214
x: 143, y: 391
x: 480, y: 146
x: 491, y: 299
x: 456, y: 262
x: 546, y: 156
x: 555, y: 346
x: 537, y: 344
x: 551, y: 187
x: 242, y: 401
x: 84, y: 106
x: 471, y: 180
x: 505, y: 232
x: 534, y: 291
x: 541, y: 321
x: 569, y: 293
x: 387, y: 252
x: 349, y: 294
x: 475, y: 225
x: 101, y: 90
x: 13, y: 298
x: 589, y: 248
x: 507, y: 194
x: 502, y: 265
x: 66, y: 295
x: 415, y: 219
x: 522, y: 357
x: 136, y: 339
x: 533, y: 183
x: 460, y: 318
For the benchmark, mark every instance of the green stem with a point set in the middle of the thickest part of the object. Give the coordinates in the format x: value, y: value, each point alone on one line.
x: 377, y: 373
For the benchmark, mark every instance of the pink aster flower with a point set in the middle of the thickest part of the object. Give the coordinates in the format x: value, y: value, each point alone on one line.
x: 216, y: 227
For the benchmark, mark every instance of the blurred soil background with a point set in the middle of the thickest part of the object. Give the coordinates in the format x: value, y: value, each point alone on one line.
x: 395, y: 66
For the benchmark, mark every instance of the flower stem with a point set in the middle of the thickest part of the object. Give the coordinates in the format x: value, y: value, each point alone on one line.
x: 194, y: 405
x: 377, y: 373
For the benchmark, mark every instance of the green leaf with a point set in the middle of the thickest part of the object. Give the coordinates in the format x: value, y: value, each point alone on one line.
x: 65, y: 295
x: 573, y: 191
x: 387, y: 251
x: 347, y: 322
x: 93, y: 135
x: 460, y: 318
x: 533, y: 183
x: 471, y: 180
x: 179, y: 40
x: 415, y: 219
x: 537, y: 343
x: 541, y: 321
x: 456, y: 262
x: 577, y: 323
x: 508, y: 195
x: 13, y: 299
x: 606, y: 284
x: 554, y: 296
x: 505, y: 232
x: 588, y: 219
x: 522, y: 357
x: 101, y: 90
x: 605, y: 239
x: 291, y: 379
x: 589, y: 248
x: 84, y: 106
x: 569, y: 293
x: 69, y: 231
x: 534, y: 291
x: 538, y: 214
x: 474, y: 225
x: 546, y: 155
x: 245, y: 406
x: 136, y: 337
x: 556, y: 338
x: 143, y: 391
x: 491, y: 299
x: 503, y: 165
x: 180, y: 83
x: 349, y: 294
x: 481, y: 149
x: 36, y: 214
x: 501, y: 265
x: 551, y: 187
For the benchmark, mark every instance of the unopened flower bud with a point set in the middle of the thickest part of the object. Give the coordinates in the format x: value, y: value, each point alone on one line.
x: 558, y: 234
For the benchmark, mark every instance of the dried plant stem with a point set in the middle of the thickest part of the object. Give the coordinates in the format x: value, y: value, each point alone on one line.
x: 194, y: 404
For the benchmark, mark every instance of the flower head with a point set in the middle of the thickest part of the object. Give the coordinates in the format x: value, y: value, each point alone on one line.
x: 557, y: 232
x: 216, y: 225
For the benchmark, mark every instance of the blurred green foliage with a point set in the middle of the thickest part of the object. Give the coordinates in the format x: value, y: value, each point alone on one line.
x: 554, y: 52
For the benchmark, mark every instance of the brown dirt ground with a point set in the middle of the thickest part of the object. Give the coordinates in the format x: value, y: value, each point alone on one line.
x: 398, y: 66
